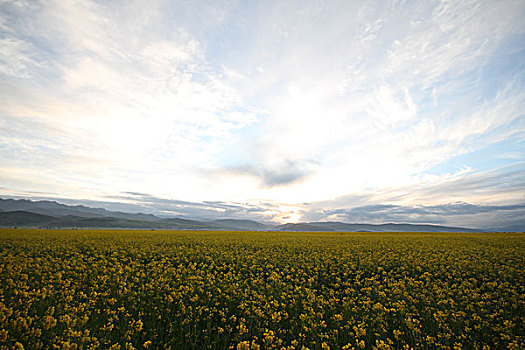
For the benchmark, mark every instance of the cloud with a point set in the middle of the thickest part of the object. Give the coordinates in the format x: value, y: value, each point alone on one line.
x: 390, y: 102
x: 284, y: 173
x: 199, y: 210
x: 24, y: 64
x: 452, y: 214
x: 495, y: 199
x: 486, y: 217
x: 274, y: 102
x: 131, y: 94
x: 499, y: 186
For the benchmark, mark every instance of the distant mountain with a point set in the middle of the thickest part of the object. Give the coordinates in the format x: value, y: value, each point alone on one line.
x: 98, y: 222
x: 185, y: 224
x: 55, y: 209
x: 340, y: 226
x: 50, y: 214
x: 509, y: 228
x: 248, y: 225
x: 343, y: 227
x: 28, y: 219
x: 312, y: 227
x: 22, y: 218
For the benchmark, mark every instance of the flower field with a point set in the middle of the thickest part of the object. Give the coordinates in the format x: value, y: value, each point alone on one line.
x: 260, y: 290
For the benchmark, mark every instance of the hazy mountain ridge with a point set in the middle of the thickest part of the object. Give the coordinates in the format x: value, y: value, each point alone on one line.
x: 243, y: 224
x: 20, y: 217
x: 26, y: 213
x: 390, y: 227
x: 52, y: 208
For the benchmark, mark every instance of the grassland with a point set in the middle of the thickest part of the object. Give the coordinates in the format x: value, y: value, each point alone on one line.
x: 241, y: 290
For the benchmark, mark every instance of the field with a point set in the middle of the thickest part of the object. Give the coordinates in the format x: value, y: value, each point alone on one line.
x: 260, y: 290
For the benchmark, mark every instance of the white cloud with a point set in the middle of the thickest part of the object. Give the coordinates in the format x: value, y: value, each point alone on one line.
x: 271, y: 101
x: 140, y: 100
x: 17, y: 58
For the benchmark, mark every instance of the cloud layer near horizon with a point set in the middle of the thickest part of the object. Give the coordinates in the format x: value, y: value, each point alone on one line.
x: 339, y: 105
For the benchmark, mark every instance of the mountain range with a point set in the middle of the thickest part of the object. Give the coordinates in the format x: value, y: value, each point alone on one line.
x: 50, y: 214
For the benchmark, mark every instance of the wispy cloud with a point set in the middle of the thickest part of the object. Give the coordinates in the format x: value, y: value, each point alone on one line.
x: 200, y: 210
x: 437, y: 200
x: 453, y: 214
x: 272, y: 102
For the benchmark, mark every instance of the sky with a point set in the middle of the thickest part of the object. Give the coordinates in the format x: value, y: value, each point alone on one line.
x: 279, y: 111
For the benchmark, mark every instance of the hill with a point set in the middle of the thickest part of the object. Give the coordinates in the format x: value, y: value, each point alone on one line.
x: 51, y: 214
x: 390, y: 227
x: 23, y: 218
x: 248, y: 225
x: 54, y: 209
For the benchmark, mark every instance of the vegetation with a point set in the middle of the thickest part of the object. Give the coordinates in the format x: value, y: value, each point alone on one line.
x: 239, y: 290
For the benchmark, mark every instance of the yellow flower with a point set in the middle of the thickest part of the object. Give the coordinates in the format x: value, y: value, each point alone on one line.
x: 138, y: 325
x: 245, y: 345
x: 49, y: 322
x: 3, y: 335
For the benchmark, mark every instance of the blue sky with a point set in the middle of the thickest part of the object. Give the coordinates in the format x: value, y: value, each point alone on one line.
x: 292, y: 110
